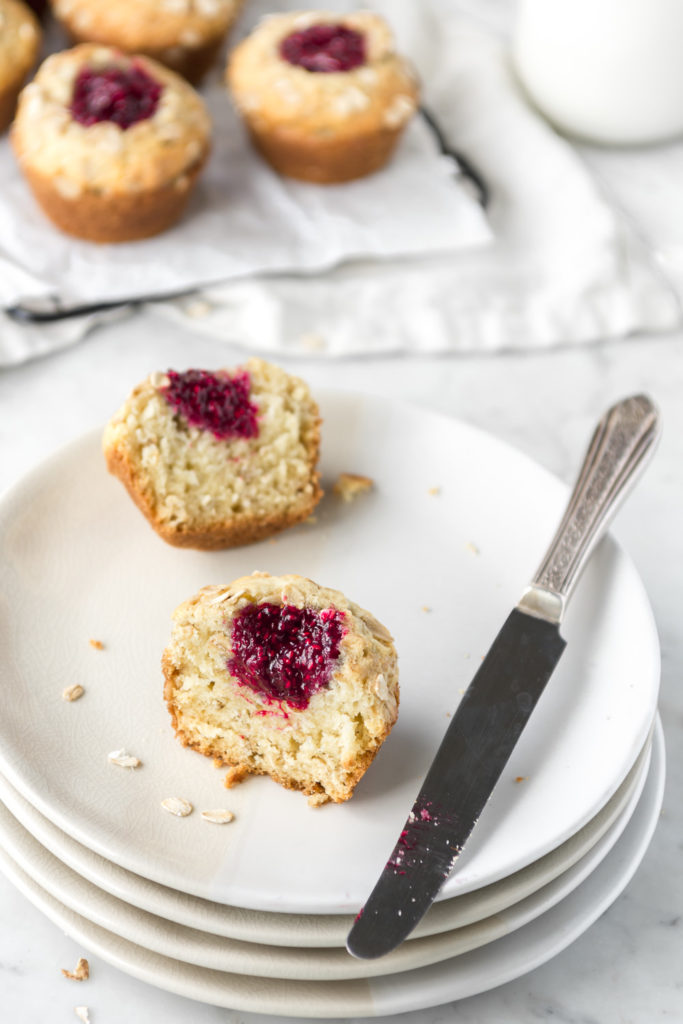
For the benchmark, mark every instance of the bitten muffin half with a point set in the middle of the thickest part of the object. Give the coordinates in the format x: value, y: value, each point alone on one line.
x: 275, y: 675
x: 20, y: 38
x: 325, y: 96
x: 185, y: 35
x: 110, y: 145
x: 218, y: 459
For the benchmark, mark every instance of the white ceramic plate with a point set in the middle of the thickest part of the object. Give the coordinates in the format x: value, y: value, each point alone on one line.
x: 79, y: 562
x: 218, y: 953
x: 310, y: 930
x: 452, y: 979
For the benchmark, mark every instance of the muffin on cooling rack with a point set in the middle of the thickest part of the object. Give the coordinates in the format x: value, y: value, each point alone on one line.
x: 20, y: 38
x: 324, y: 96
x: 110, y: 145
x: 185, y: 35
x: 275, y: 675
x: 218, y: 459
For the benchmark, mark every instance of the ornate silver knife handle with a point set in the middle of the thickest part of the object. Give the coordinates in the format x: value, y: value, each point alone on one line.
x: 623, y: 441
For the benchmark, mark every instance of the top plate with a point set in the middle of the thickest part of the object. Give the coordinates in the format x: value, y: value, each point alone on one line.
x: 79, y: 562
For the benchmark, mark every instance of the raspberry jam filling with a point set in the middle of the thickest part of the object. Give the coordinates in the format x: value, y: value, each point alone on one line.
x: 324, y: 48
x: 214, y: 402
x: 285, y: 653
x: 122, y: 95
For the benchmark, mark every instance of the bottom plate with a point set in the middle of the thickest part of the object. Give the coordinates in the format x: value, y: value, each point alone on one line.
x: 305, y: 931
x: 217, y: 953
x: 452, y: 979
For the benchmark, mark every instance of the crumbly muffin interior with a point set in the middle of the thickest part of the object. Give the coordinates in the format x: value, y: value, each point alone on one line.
x: 187, y: 475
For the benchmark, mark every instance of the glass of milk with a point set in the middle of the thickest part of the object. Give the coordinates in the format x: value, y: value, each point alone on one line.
x: 610, y: 71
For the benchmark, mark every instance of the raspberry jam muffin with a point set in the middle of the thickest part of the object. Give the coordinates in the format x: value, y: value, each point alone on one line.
x: 185, y: 35
x: 275, y: 675
x: 325, y: 97
x: 20, y: 38
x: 215, y: 459
x: 111, y: 145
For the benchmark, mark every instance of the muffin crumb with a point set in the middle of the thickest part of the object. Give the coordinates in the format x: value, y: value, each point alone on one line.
x: 81, y: 972
x: 350, y: 485
x: 234, y: 775
x: 72, y: 693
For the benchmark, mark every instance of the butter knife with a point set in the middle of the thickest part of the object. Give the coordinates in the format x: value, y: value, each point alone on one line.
x: 503, y: 694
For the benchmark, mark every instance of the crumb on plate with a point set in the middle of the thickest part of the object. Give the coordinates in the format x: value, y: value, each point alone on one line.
x: 220, y: 816
x: 72, y: 693
x: 123, y: 759
x: 235, y: 775
x: 317, y: 799
x: 350, y: 485
x: 176, y: 805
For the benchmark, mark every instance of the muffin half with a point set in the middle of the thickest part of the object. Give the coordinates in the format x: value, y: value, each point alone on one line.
x: 218, y: 459
x: 275, y: 675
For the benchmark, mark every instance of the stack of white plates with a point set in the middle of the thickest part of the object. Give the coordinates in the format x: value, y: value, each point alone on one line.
x: 253, y: 915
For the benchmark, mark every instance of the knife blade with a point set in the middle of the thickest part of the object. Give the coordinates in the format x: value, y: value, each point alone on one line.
x: 505, y: 690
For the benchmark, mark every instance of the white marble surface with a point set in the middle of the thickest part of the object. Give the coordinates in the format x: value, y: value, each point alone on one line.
x: 626, y: 969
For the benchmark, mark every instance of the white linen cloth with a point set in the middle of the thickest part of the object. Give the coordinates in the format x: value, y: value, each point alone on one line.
x: 563, y: 267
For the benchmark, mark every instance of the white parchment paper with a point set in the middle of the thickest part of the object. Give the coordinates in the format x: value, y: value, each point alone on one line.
x: 243, y: 220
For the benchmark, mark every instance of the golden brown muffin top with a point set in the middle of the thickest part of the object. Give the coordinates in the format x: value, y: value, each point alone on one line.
x: 20, y: 37
x: 380, y: 93
x: 140, y: 24
x: 103, y: 156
